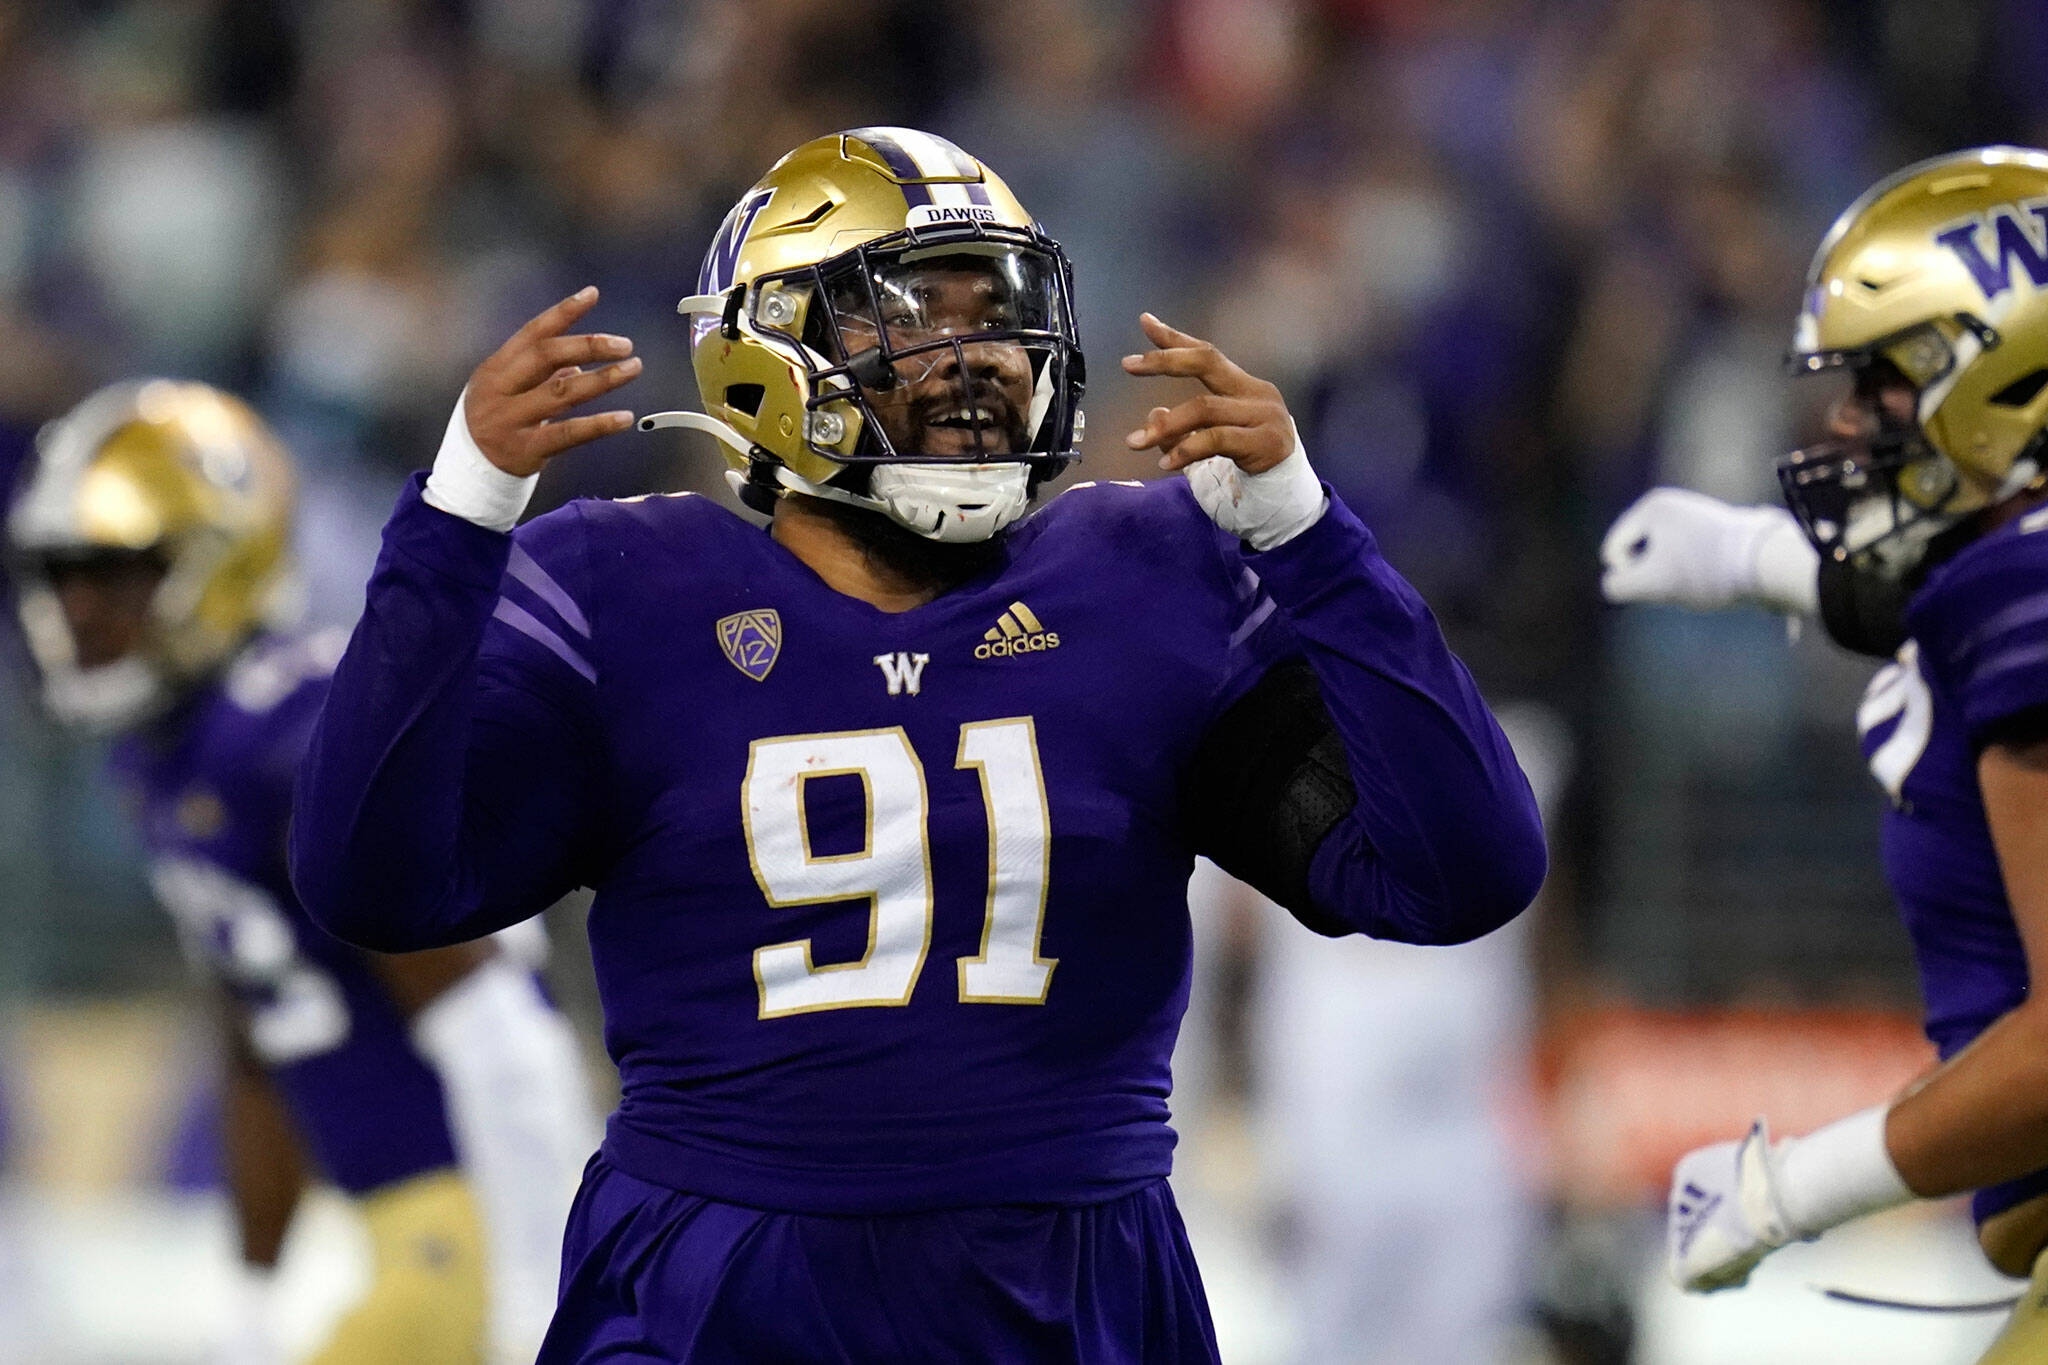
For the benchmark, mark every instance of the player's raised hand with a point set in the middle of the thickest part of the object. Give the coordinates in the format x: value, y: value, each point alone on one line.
x: 1235, y: 442
x: 517, y: 399
x: 1241, y: 417
x: 1675, y: 545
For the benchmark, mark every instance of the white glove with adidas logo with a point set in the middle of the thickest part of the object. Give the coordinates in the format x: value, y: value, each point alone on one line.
x: 1724, y: 1214
x: 1734, y: 1203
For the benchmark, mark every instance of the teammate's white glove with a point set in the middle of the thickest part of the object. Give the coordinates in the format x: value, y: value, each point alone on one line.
x: 1675, y: 545
x: 252, y: 1336
x: 1724, y: 1213
x: 1265, y: 509
x: 1734, y: 1203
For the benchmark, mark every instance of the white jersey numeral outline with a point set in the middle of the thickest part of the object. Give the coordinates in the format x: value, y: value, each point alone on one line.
x: 1898, y: 690
x: 892, y: 871
x: 235, y: 929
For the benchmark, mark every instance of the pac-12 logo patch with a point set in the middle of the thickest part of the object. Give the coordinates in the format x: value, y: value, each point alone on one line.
x: 751, y: 640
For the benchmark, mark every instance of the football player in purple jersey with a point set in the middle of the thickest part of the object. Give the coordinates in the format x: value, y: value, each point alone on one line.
x: 149, y: 548
x: 890, y: 810
x: 1918, y: 533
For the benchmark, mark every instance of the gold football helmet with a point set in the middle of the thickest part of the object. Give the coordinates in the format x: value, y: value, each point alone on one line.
x: 174, y: 475
x: 879, y: 322
x: 1939, y: 273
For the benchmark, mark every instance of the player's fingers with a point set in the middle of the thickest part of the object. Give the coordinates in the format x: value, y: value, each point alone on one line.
x: 1252, y: 448
x: 1161, y: 333
x: 1216, y: 371
x: 556, y: 437
x: 1164, y: 427
x: 567, y: 387
x: 550, y: 321
x: 528, y: 365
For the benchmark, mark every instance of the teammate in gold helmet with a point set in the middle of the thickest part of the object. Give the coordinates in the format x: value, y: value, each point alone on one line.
x: 150, y: 552
x: 169, y: 494
x: 1927, y: 547
x: 1929, y: 291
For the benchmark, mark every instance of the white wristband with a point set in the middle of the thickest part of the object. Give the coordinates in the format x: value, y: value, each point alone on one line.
x: 464, y: 483
x: 1840, y: 1172
x: 1263, y: 510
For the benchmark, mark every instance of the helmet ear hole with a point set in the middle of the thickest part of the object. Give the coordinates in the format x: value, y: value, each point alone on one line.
x: 745, y: 398
x: 2021, y: 391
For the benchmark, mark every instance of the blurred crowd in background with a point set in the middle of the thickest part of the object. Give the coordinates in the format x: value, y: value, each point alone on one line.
x: 1513, y: 261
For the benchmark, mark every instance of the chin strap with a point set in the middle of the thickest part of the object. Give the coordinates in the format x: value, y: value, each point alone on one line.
x: 933, y: 501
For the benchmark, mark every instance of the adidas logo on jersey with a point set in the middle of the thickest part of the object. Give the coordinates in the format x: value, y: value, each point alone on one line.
x: 1016, y: 631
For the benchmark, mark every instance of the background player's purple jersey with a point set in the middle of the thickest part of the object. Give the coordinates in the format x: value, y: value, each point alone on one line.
x: 211, y: 785
x: 891, y: 908
x: 1978, y: 657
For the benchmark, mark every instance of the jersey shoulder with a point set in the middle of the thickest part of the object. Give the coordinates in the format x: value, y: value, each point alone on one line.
x: 215, y: 778
x: 1981, y: 621
x: 260, y: 718
x: 1151, y: 521
x: 595, y: 536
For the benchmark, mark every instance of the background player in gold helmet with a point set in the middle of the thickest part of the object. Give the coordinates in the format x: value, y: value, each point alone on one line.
x: 1931, y: 293
x: 150, y: 547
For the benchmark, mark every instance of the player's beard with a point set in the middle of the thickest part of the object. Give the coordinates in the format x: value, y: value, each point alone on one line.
x: 922, y: 565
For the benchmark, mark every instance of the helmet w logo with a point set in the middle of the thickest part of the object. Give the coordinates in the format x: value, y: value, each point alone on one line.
x: 2015, y: 241
x: 722, y: 261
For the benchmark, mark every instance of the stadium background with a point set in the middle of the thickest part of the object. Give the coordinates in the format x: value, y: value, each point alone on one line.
x: 1512, y: 260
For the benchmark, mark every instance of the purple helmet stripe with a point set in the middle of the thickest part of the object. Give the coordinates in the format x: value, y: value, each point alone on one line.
x: 900, y: 161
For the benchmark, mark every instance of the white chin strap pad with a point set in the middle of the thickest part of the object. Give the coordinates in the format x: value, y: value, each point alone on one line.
x: 952, y: 503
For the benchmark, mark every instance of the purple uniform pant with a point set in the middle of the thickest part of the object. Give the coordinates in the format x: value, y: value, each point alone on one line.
x: 653, y: 1274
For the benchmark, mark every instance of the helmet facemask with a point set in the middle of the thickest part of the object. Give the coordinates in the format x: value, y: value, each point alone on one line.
x: 1876, y: 500
x: 942, y: 373
x: 109, y: 677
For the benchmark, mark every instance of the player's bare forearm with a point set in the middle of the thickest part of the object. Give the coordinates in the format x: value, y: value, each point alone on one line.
x: 1444, y: 842
x: 1983, y: 1118
x: 263, y: 1161
x: 416, y: 980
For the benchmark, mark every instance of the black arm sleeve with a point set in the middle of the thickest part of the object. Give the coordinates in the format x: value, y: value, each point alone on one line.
x: 1267, y: 785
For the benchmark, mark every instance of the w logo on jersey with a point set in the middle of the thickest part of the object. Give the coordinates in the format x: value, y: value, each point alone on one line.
x: 751, y: 640
x: 2015, y: 239
x: 722, y: 261
x: 903, y: 672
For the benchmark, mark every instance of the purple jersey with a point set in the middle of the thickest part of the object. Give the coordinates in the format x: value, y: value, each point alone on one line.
x: 212, y: 786
x: 891, y: 908
x: 1978, y: 656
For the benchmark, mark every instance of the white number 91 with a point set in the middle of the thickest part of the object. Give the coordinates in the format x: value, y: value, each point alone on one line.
x: 892, y: 869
